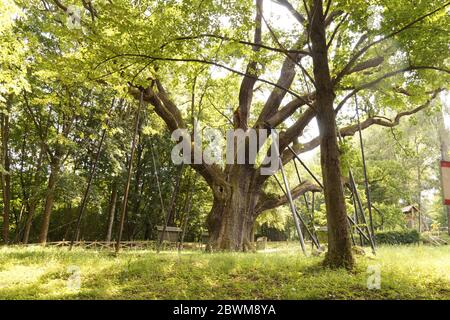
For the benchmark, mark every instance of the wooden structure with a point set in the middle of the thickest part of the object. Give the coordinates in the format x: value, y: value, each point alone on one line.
x: 261, y: 243
x: 129, y: 245
x: 205, y: 237
x: 414, y: 218
x: 171, y: 234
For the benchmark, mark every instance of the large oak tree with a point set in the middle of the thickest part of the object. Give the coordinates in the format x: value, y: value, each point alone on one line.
x: 393, y: 54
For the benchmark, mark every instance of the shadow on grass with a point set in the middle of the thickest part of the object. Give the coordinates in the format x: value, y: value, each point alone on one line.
x: 146, y: 275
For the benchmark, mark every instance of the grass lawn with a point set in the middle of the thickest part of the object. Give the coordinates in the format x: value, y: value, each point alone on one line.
x: 407, y: 272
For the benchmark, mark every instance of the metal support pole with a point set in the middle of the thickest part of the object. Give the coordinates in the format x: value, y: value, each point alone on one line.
x: 314, y: 239
x: 355, y: 193
x: 289, y: 196
x: 360, y: 231
x: 291, y: 205
x: 366, y: 181
x: 129, y: 171
x: 304, y: 166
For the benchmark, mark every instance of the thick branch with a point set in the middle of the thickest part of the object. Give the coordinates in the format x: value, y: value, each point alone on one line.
x: 352, y: 129
x: 60, y: 5
x: 296, y: 130
x: 248, y: 83
x: 277, y: 95
x: 286, y: 111
x: 270, y: 200
x: 368, y: 64
x: 167, y: 110
x: 333, y: 15
x: 286, y: 78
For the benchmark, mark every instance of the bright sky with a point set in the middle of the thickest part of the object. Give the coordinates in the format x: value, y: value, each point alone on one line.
x: 279, y: 17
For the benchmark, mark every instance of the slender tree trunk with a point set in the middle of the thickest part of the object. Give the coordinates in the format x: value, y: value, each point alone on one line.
x: 173, y: 202
x: 112, y: 211
x: 169, y: 219
x: 33, y: 200
x: 130, y: 168
x: 339, y: 242
x: 187, y: 210
x: 49, y: 198
x: 137, y: 189
x: 85, y: 200
x: 448, y: 219
x: 6, y: 175
x: 29, y: 222
x: 419, y: 197
x: 19, y: 225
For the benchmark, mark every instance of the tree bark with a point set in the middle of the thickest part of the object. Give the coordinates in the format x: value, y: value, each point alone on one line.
x: 112, y: 211
x: 6, y: 175
x: 29, y: 222
x: 49, y: 198
x: 230, y: 222
x: 339, y: 242
x: 233, y: 213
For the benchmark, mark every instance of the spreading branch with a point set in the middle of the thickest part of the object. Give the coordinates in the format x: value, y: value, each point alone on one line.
x: 352, y: 129
x: 250, y: 78
x: 224, y: 38
x: 383, y: 77
x: 195, y: 60
x: 362, y: 51
x: 166, y: 109
x: 270, y: 200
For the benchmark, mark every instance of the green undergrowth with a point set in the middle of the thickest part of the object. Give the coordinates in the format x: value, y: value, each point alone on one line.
x: 406, y: 272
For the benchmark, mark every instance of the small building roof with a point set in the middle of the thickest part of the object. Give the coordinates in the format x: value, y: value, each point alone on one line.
x: 409, y: 209
x: 169, y: 229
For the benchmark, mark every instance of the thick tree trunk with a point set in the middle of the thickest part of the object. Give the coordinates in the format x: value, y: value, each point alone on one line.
x: 231, y: 220
x: 339, y: 241
x: 51, y: 186
x: 230, y: 224
x: 112, y: 211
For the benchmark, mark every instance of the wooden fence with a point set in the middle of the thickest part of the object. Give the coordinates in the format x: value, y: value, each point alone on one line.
x: 130, y: 245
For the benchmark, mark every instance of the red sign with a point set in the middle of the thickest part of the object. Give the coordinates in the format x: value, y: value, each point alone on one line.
x: 445, y: 170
